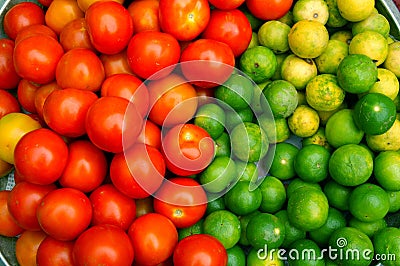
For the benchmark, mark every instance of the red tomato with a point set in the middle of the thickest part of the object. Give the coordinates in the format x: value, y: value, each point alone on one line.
x: 172, y: 101
x: 27, y: 245
x: 40, y: 156
x: 8, y: 76
x: 8, y: 103
x: 151, y: 51
x: 231, y: 27
x: 205, y: 96
x: 184, y: 20
x: 80, y: 68
x: 226, y: 5
x: 153, y: 237
x: 115, y: 64
x: 144, y: 15
x: 36, y: 58
x: 200, y: 249
x: 188, y: 149
x: 8, y: 227
x: 64, y: 111
x: 103, y: 245
x: 21, y: 15
x: 45, y: 3
x: 60, y: 13
x: 181, y: 199
x: 23, y: 201
x: 105, y: 124
x: 54, y: 252
x: 150, y: 135
x: 207, y: 63
x: 110, y: 206
x: 36, y: 29
x: 75, y: 35
x: 138, y: 172
x: 64, y: 213
x: 129, y: 87
x: 86, y: 167
x: 110, y: 26
x: 26, y: 91
x: 269, y: 10
x: 41, y: 95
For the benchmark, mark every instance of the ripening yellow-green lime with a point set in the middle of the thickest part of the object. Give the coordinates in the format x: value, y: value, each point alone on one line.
x: 375, y: 22
x: 298, y: 71
x: 392, y: 61
x: 370, y: 43
x: 335, y: 20
x: 274, y: 35
x: 311, y: 10
x: 387, y: 84
x: 355, y: 10
x: 328, y: 62
x: 304, y: 121
x: 388, y: 141
x: 342, y: 35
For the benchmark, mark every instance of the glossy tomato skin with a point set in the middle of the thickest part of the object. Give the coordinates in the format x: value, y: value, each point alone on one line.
x: 184, y: 20
x: 60, y: 13
x: 75, y: 35
x: 35, y: 29
x: 36, y: 58
x: 23, y: 201
x: 27, y: 245
x: 103, y: 245
x: 8, y: 76
x: 41, y: 95
x: 115, y: 63
x: 144, y: 15
x: 64, y: 208
x: 226, y: 5
x: 40, y: 156
x: 26, y: 91
x: 8, y: 103
x: 151, y: 51
x: 110, y: 206
x: 86, y: 166
x: 8, y: 227
x: 182, y: 200
x: 231, y: 27
x: 54, y: 252
x: 64, y: 111
x: 110, y: 26
x: 150, y: 135
x: 153, y: 237
x: 200, y: 249
x: 269, y: 10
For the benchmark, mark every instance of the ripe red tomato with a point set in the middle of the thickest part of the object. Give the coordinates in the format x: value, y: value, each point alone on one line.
x: 86, y: 167
x: 110, y: 206
x: 200, y: 249
x: 8, y: 227
x: 27, y: 245
x: 184, y: 20
x: 226, y: 5
x: 26, y: 91
x: 144, y: 15
x: 60, y: 13
x: 75, y: 35
x: 231, y: 27
x: 23, y: 201
x: 110, y: 26
x: 153, y: 237
x: 8, y: 103
x: 181, y: 199
x: 115, y: 63
x: 103, y: 245
x: 151, y: 51
x: 269, y: 10
x: 64, y: 213
x: 54, y: 252
x: 150, y: 134
x: 35, y: 29
x: 139, y: 171
x: 8, y: 76
x: 41, y: 94
x: 40, y: 156
x: 36, y: 58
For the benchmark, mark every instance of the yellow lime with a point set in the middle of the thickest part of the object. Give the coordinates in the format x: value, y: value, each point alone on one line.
x: 328, y: 62
x: 311, y: 10
x: 319, y: 138
x: 388, y: 141
x: 304, y: 121
x: 387, y: 84
x: 392, y: 61
x: 274, y: 35
x: 370, y: 43
x: 355, y: 10
x: 254, y: 40
x: 343, y: 36
x: 375, y: 22
x: 298, y: 71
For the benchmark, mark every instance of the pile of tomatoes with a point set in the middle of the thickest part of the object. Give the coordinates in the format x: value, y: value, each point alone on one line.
x: 94, y: 122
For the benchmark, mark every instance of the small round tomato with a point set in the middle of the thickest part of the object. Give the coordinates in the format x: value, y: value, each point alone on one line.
x: 144, y: 15
x: 8, y: 76
x: 36, y: 29
x: 103, y: 245
x: 60, y: 13
x: 26, y: 91
x: 110, y: 206
x: 27, y: 245
x: 54, y: 252
x: 64, y: 111
x: 80, y: 68
x: 115, y: 63
x: 75, y: 35
x: 144, y: 205
x: 231, y: 27
x: 21, y: 15
x: 205, y: 96
x: 200, y: 249
x: 64, y: 213
x: 41, y: 95
x: 184, y: 20
x: 8, y: 227
x: 110, y: 26
x: 84, y: 4
x: 8, y: 103
x: 153, y: 237
x: 269, y: 10
x: 226, y: 5
x: 181, y: 199
x: 151, y: 51
x: 150, y: 135
x: 86, y: 166
x: 40, y: 156
x: 23, y: 201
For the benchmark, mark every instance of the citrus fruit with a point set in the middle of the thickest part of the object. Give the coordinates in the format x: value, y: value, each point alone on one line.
x: 311, y: 10
x: 297, y: 183
x: 236, y: 256
x: 319, y: 138
x: 248, y: 171
x: 357, y: 73
x: 387, y: 170
x: 335, y: 20
x: 338, y: 195
x: 371, y: 44
x: 254, y: 40
x: 351, y: 165
x: 387, y: 243
x: 304, y: 121
x: 236, y: 117
x: 292, y: 233
x: 259, y: 63
x: 369, y: 202
x: 277, y: 129
x: 287, y: 18
x: 311, y: 163
x: 219, y: 174
x: 215, y: 204
x: 256, y: 101
x: 274, y: 35
x: 223, y: 225
x: 223, y: 145
x: 307, y: 208
x: 388, y: 141
x: 211, y: 117
x: 298, y: 71
x: 309, y: 253
x: 279, y: 58
x: 308, y: 38
x: 281, y: 97
x: 197, y: 228
x: 392, y: 61
x: 368, y: 228
x: 343, y: 36
x: 264, y: 258
x: 244, y: 220
x: 265, y: 229
x: 355, y: 10
x: 282, y: 166
x: 325, y: 115
x: 273, y: 194
x: 374, y: 22
x: 341, y: 129
x: 328, y: 62
x: 394, y: 199
x: 387, y: 84
x: 240, y: 200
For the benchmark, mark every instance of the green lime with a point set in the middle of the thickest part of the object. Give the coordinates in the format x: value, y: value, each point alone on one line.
x: 219, y: 174
x: 308, y: 253
x: 375, y: 22
x: 279, y: 58
x: 248, y: 171
x: 254, y: 22
x: 265, y: 229
x: 282, y: 166
x: 223, y: 225
x: 304, y: 122
x: 211, y: 117
x: 234, y: 118
x: 244, y: 220
x: 351, y: 165
x: 343, y: 36
x: 274, y: 35
x: 223, y: 145
x: 319, y: 138
x: 215, y: 204
x: 328, y: 62
x: 197, y: 228
x: 259, y: 63
x: 281, y: 97
x: 277, y: 129
x: 287, y: 18
x: 325, y: 115
x: 298, y: 71
x: 388, y: 141
x: 297, y: 183
x: 254, y: 40
x: 236, y: 256
x: 311, y: 10
x: 256, y: 102
x: 335, y: 220
x: 355, y: 10
x: 311, y: 163
x: 369, y: 202
x: 335, y: 20
x: 260, y: 257
x: 387, y: 243
x: 273, y: 194
x: 377, y: 49
x: 387, y: 170
x: 292, y: 233
x: 368, y: 228
x: 240, y: 200
x: 392, y: 61
x: 338, y: 195
x: 357, y: 73
x: 394, y: 200
x: 387, y: 84
x: 307, y: 208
